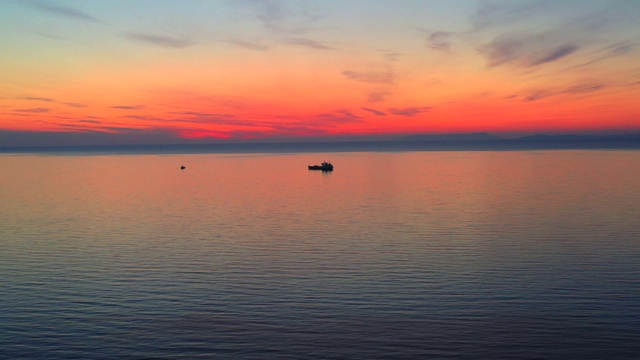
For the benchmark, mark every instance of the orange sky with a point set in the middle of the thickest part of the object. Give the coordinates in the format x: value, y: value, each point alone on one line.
x: 165, y: 71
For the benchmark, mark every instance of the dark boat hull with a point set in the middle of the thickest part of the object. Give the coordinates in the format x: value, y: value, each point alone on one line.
x: 319, y: 167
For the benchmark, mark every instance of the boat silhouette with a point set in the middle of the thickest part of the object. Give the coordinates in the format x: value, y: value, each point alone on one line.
x: 324, y: 166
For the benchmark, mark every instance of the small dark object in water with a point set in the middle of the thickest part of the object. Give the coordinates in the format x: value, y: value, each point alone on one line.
x: 182, y: 167
x: 325, y: 166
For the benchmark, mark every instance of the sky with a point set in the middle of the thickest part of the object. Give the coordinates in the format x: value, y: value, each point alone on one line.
x: 93, y: 72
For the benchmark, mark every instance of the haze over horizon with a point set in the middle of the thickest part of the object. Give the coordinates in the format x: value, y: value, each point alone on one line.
x: 144, y: 72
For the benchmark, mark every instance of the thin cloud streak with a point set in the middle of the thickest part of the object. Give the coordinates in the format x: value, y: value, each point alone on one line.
x: 375, y: 77
x: 409, y: 111
x: 160, y: 40
x: 75, y: 105
x: 64, y: 11
x: 308, y: 43
x: 44, y: 99
x: 440, y: 40
x: 527, y: 50
x: 256, y: 46
x: 128, y: 107
x: 374, y: 111
x: 572, y: 28
x: 33, y: 110
x: 584, y: 88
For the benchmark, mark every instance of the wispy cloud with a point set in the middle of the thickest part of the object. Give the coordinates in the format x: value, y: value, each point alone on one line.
x: 381, y: 77
x: 143, y: 117
x: 492, y: 14
x: 64, y: 11
x: 195, y: 117
x: 439, y: 40
x: 270, y: 12
x: 35, y: 98
x: 89, y: 121
x: 194, y: 113
x: 392, y: 56
x: 39, y: 110
x: 527, y: 50
x: 409, y: 111
x: 609, y: 52
x: 379, y: 94
x: 374, y: 111
x: 570, y: 27
x: 375, y: 77
x: 308, y: 43
x: 338, y: 117
x: 581, y: 88
x: 160, y: 40
x: 128, y: 107
x: 251, y: 45
x: 279, y: 17
x: 75, y: 105
x: 52, y: 100
x: 50, y: 35
x: 283, y: 22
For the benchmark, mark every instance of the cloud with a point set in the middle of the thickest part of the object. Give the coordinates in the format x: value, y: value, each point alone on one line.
x: 621, y: 49
x: 75, y: 105
x: 378, y: 95
x: 89, y: 121
x: 128, y: 107
x: 439, y: 40
x: 339, y: 117
x: 527, y: 50
x: 50, y: 36
x: 382, y: 79
x: 582, y: 88
x: 280, y: 17
x: 193, y: 113
x: 555, y: 53
x: 45, y: 99
x: 374, y: 111
x: 570, y: 27
x: 506, y: 13
x: 307, y: 43
x: 611, y: 51
x: 51, y: 100
x: 392, y: 56
x: 64, y: 11
x: 375, y: 77
x: 142, y: 117
x: 33, y: 110
x: 409, y: 111
x: 248, y: 44
x: 538, y: 95
x: 591, y: 15
x: 160, y: 40
x: 270, y: 12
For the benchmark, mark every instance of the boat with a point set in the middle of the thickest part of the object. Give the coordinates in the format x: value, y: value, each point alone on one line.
x: 325, y: 166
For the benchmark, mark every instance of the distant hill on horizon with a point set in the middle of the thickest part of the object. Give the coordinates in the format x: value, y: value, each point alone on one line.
x: 539, y: 139
x: 428, y: 142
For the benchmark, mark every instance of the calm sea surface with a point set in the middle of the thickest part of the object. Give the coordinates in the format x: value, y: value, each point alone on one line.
x: 394, y: 255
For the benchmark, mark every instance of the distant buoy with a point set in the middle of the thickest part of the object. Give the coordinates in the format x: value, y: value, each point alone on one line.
x: 182, y: 167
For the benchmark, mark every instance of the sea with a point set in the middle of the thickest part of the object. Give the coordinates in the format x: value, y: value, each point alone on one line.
x: 527, y: 254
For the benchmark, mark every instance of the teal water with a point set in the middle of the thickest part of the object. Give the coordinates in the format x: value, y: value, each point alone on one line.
x: 393, y: 255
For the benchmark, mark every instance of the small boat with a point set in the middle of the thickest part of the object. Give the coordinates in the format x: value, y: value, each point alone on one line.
x: 325, y: 166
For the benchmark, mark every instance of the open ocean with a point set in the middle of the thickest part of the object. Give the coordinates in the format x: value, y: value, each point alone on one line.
x: 393, y: 255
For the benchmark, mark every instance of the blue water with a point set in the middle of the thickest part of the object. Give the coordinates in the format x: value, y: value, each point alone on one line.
x: 393, y: 255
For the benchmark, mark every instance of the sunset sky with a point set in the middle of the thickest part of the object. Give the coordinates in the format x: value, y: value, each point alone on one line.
x: 160, y: 71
